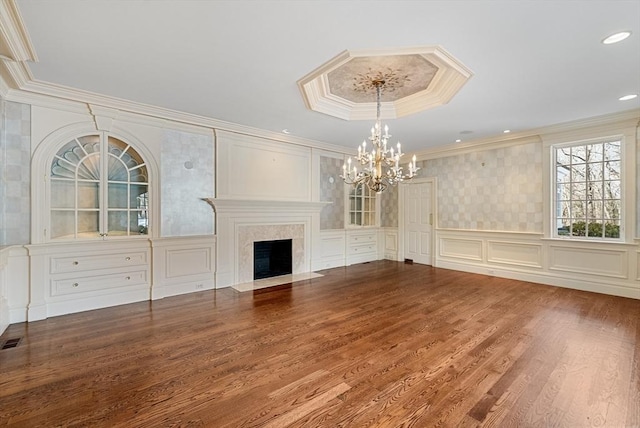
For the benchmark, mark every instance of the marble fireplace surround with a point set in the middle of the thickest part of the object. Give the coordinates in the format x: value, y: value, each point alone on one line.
x: 247, y: 235
x: 240, y: 223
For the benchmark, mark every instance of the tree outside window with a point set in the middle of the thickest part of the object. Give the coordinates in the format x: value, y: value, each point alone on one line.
x: 588, y: 190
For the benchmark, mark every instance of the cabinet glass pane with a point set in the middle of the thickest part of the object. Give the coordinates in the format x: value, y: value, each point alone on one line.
x: 63, y: 224
x: 118, y: 223
x: 88, y: 194
x: 139, y: 175
x: 79, y: 187
x: 63, y: 194
x: 139, y: 196
x: 141, y: 221
x: 118, y: 196
x: 137, y: 223
x: 372, y: 218
x: 88, y: 222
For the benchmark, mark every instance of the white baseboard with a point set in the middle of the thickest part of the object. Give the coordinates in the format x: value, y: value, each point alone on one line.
x: 181, y: 288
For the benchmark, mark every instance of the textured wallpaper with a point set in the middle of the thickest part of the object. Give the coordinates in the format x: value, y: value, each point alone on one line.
x: 15, y: 173
x: 499, y: 189
x: 187, y: 172
x: 389, y: 207
x: 331, y: 190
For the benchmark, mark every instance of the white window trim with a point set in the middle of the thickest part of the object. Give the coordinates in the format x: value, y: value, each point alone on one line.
x: 626, y: 133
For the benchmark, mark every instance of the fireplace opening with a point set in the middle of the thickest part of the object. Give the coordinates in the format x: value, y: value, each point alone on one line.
x: 272, y: 258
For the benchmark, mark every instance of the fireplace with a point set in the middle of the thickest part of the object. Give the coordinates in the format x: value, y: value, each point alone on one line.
x: 240, y: 223
x: 272, y: 258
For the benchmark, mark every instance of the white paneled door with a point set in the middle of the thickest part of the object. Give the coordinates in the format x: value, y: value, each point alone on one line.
x: 418, y: 222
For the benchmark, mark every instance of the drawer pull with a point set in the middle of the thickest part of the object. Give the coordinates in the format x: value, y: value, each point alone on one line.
x: 128, y: 258
x: 75, y: 284
x: 75, y: 263
x: 127, y: 278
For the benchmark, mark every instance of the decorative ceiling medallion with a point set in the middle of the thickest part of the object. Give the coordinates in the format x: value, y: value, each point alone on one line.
x: 416, y: 79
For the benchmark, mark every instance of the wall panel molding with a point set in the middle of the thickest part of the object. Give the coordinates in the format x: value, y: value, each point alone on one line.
x: 601, y: 267
x: 458, y: 248
x: 514, y: 253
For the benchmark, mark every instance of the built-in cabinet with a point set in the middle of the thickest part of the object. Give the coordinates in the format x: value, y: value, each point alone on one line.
x: 362, y: 246
x: 347, y: 247
x: 72, y: 277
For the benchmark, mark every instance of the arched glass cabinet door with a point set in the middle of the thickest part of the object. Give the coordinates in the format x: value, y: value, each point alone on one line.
x: 98, y: 187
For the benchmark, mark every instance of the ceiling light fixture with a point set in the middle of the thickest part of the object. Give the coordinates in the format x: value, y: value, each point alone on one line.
x: 286, y: 131
x: 617, y: 37
x: 381, y: 166
x: 506, y: 131
x: 628, y: 97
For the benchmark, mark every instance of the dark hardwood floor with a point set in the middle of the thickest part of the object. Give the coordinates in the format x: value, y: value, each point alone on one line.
x: 377, y: 344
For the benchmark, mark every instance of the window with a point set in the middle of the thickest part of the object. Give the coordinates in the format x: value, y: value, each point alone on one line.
x: 362, y: 206
x: 588, y: 200
x: 98, y: 187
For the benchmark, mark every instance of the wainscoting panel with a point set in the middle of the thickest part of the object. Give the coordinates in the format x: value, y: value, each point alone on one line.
x: 183, y: 265
x: 332, y: 249
x: 390, y: 243
x: 513, y: 253
x: 468, y: 249
x: 595, y: 261
x: 601, y: 267
x: 193, y: 261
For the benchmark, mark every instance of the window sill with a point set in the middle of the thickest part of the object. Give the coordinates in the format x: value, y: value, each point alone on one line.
x: 591, y: 241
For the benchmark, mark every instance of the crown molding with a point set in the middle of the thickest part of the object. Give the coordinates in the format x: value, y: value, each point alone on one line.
x: 477, y: 145
x: 14, y: 33
x: 49, y: 93
x: 625, y: 119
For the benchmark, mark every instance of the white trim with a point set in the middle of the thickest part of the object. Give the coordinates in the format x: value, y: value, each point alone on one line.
x: 14, y: 33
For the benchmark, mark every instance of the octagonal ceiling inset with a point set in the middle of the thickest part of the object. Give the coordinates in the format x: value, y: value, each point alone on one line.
x: 416, y: 79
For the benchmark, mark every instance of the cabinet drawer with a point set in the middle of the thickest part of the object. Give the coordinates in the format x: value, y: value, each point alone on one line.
x: 363, y: 238
x: 82, y: 284
x: 102, y: 261
x: 362, y: 249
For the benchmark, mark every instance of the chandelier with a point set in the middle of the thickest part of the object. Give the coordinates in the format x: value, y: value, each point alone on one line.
x: 380, y: 166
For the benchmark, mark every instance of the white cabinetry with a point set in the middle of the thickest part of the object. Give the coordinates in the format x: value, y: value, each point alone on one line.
x: 74, y: 277
x: 362, y: 246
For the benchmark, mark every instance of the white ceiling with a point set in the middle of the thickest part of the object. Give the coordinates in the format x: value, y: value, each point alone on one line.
x: 535, y: 63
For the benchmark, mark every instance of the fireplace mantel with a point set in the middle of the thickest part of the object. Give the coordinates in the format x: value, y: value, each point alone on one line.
x: 220, y: 206
x: 240, y: 222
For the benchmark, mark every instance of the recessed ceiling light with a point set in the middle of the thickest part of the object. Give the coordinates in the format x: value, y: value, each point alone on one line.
x: 506, y: 131
x: 458, y: 140
x: 286, y: 131
x: 628, y: 97
x: 617, y: 37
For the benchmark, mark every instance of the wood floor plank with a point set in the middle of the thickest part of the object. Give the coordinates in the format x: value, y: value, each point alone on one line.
x: 375, y: 344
